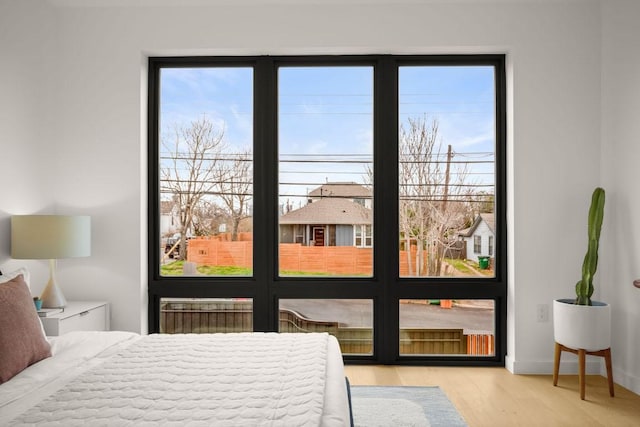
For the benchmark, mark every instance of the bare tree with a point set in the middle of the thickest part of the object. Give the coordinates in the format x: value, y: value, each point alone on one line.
x: 428, y: 216
x: 484, y: 202
x: 207, y: 217
x: 234, y: 184
x: 189, y: 165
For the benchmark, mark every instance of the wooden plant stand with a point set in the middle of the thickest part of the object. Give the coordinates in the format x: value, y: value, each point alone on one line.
x: 606, y: 353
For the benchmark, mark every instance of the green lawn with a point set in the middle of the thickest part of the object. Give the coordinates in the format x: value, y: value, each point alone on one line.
x: 467, y: 267
x: 459, y: 265
x: 175, y: 269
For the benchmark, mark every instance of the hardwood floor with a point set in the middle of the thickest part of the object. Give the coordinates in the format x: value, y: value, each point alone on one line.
x: 495, y: 397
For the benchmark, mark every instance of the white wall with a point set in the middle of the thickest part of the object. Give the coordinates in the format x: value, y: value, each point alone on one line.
x: 96, y: 99
x: 26, y: 143
x: 620, y: 157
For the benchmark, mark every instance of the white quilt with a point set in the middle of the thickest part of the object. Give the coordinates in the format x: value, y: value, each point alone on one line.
x: 252, y: 379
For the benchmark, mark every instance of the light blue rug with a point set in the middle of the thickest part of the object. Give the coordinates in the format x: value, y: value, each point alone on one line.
x: 403, y: 407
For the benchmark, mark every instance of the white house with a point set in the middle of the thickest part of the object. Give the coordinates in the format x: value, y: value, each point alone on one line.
x: 169, y: 218
x: 480, y: 237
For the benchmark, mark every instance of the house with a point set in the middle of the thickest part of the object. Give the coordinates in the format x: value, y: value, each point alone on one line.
x: 169, y: 218
x: 336, y: 214
x: 328, y: 222
x: 480, y: 237
x: 355, y: 192
x: 73, y: 131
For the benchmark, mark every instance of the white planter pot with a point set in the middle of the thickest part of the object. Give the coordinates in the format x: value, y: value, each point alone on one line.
x: 582, y: 326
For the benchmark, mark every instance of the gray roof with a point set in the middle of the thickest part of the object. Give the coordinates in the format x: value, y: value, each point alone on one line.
x: 488, y: 218
x: 348, y: 190
x: 329, y: 211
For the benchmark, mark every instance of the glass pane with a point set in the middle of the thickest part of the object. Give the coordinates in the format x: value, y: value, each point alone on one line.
x: 206, y: 171
x: 325, y: 146
x: 447, y: 171
x: 447, y: 327
x: 205, y: 315
x: 349, y: 320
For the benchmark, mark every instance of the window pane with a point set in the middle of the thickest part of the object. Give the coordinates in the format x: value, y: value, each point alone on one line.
x: 349, y: 320
x: 447, y: 169
x: 325, y: 146
x: 447, y: 327
x: 205, y: 315
x: 206, y: 171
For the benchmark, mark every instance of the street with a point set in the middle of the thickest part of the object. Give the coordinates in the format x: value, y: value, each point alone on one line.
x: 473, y: 316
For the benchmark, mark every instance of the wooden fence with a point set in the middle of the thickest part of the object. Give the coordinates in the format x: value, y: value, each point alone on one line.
x: 203, y: 251
x: 202, y: 316
x: 341, y: 260
x: 432, y: 341
x: 338, y: 260
x: 480, y: 344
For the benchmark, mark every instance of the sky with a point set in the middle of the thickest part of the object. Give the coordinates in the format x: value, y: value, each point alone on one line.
x: 326, y: 113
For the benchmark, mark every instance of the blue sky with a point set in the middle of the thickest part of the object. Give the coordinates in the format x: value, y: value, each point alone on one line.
x: 328, y: 112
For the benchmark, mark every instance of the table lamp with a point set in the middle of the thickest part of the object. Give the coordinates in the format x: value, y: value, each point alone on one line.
x: 50, y: 237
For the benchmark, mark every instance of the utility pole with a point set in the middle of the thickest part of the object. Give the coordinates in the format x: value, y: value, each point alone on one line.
x: 445, y: 198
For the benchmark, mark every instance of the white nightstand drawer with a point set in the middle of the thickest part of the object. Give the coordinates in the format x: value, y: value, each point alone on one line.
x: 88, y: 320
x: 78, y: 316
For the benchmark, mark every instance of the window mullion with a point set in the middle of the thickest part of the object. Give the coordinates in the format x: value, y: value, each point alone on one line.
x: 265, y: 194
x: 386, y: 248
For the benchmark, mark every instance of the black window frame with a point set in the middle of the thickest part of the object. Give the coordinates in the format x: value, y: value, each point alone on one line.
x: 385, y: 288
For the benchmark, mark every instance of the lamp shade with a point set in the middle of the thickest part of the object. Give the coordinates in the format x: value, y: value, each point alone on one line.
x: 50, y: 236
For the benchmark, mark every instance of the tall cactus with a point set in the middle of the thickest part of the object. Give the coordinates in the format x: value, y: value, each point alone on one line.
x: 584, y: 287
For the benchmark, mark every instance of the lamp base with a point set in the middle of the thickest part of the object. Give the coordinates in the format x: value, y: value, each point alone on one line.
x: 52, y: 296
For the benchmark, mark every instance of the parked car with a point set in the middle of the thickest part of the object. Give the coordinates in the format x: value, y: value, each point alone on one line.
x: 172, y: 247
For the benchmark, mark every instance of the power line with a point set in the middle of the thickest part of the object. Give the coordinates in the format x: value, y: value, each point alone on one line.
x: 434, y: 199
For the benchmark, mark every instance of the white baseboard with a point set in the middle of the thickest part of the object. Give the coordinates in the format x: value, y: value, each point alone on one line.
x: 570, y: 367
x: 508, y: 363
x: 567, y: 367
x: 626, y: 380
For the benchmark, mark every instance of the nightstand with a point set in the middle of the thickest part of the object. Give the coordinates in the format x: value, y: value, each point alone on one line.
x: 78, y: 316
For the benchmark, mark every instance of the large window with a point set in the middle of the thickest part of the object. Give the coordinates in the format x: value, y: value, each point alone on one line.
x: 346, y: 194
x: 325, y: 187
x: 205, y: 171
x: 447, y: 179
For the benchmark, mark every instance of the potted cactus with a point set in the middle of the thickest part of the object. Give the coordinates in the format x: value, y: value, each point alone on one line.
x: 582, y: 323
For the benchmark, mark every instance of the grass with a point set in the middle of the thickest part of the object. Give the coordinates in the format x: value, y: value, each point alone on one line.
x: 224, y: 270
x: 303, y: 273
x: 172, y: 269
x: 459, y: 265
x: 175, y: 269
x: 469, y: 268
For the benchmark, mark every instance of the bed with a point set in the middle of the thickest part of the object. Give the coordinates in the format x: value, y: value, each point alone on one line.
x: 122, y: 378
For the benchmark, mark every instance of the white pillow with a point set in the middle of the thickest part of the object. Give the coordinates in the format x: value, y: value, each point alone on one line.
x: 5, y: 277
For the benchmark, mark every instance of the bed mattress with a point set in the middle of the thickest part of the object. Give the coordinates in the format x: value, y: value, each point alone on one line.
x: 119, y: 378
